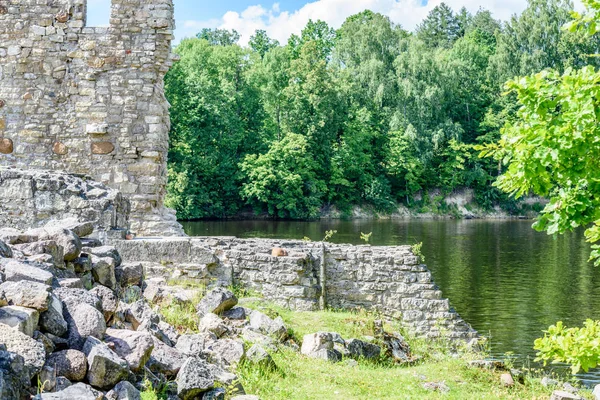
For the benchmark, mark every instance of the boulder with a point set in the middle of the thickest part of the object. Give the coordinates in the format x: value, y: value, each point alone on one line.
x: 124, y: 391
x: 15, y: 271
x: 62, y: 383
x: 507, y: 380
x: 215, y: 394
x: 49, y: 247
x: 5, y: 251
x: 260, y: 322
x: 129, y: 274
x: 216, y: 301
x: 193, y: 345
x: 134, y: 347
x: 103, y: 270
x: 22, y: 319
x: 79, y: 391
x: 49, y: 346
x: 165, y: 359
x: 106, y: 368
x: 212, y: 323
x: 14, y: 376
x: 225, y: 352
x: 71, y: 283
x: 86, y: 321
x: 108, y: 299
x: 32, y: 351
x: 27, y: 294
x: 105, y: 251
x: 52, y: 319
x: 562, y: 395
x: 10, y: 236
x: 314, y: 342
x: 257, y: 354
x: 360, y: 349
x: 72, y: 364
x: 140, y: 313
x: 236, y: 313
x: 258, y: 338
x: 193, y: 379
x: 69, y: 241
x: 81, y: 229
x: 72, y: 297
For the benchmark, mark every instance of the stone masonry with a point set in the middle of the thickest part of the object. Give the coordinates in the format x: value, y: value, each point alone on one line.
x: 390, y: 280
x: 90, y: 101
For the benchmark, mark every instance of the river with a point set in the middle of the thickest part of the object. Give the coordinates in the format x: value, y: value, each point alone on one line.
x: 507, y: 280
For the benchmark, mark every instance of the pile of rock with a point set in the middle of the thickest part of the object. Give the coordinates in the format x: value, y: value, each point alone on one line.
x: 72, y: 326
x: 332, y: 347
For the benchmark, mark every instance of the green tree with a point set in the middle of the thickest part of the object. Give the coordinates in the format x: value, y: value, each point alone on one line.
x: 441, y: 27
x: 219, y: 37
x: 261, y: 43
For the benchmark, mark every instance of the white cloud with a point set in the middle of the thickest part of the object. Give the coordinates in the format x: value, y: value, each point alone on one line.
x: 408, y: 13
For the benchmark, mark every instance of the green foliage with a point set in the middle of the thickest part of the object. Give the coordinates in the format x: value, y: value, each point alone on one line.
x: 366, y: 236
x: 367, y: 115
x: 417, y: 250
x: 578, y: 347
x: 328, y: 235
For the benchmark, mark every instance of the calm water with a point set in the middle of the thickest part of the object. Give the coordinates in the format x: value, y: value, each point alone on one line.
x: 505, y: 279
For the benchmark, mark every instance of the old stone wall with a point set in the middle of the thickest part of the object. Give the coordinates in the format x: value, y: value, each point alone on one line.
x: 30, y: 199
x: 388, y: 279
x: 90, y: 100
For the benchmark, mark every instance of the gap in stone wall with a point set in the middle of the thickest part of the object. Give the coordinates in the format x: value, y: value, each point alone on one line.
x: 98, y: 13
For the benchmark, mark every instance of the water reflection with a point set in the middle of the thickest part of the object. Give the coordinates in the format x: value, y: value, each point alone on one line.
x: 504, y: 278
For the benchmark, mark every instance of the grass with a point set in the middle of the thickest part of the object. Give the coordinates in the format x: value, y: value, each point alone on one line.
x: 298, y: 377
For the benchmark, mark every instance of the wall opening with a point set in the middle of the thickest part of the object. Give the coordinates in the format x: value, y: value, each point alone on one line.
x: 98, y: 13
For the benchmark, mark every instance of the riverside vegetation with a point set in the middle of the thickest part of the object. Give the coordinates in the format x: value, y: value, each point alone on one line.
x: 369, y: 114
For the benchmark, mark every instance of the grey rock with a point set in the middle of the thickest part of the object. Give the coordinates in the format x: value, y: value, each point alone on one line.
x: 81, y: 229
x: 165, y: 359
x: 314, y: 342
x: 129, y: 274
x: 72, y: 364
x: 43, y: 247
x: 331, y: 355
x: 258, y: 338
x: 52, y: 320
x: 68, y: 240
x: 103, y: 270
x: 216, y: 301
x: 62, y: 383
x: 133, y: 347
x: 5, y: 251
x: 48, y: 344
x: 193, y: 345
x: 236, y: 313
x: 562, y: 395
x: 360, y: 349
x: 262, y: 323
x: 106, y: 368
x: 86, y: 321
x: 79, y: 391
x: 27, y: 294
x: 140, y: 313
x: 225, y: 352
x: 108, y: 299
x: 436, y: 387
x: 212, y: 323
x: 10, y: 236
x: 15, y: 377
x: 194, y: 378
x: 32, y: 351
x: 257, y: 354
x: 22, y: 319
x: 124, y: 391
x: 105, y: 252
x: 15, y: 271
x: 72, y: 298
x: 71, y: 283
x: 215, y: 394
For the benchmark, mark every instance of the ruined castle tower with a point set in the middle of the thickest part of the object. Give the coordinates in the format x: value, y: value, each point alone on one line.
x: 90, y: 100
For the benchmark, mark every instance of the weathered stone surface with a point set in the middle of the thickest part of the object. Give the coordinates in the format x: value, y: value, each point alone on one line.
x: 60, y: 149
x: 102, y: 148
x: 165, y: 359
x: 361, y: 349
x: 108, y: 299
x: 52, y: 320
x: 216, y: 301
x: 133, y: 347
x: 193, y: 345
x: 22, y: 319
x: 215, y: 394
x: 81, y: 229
x: 129, y: 274
x: 257, y: 354
x: 44, y: 196
x: 314, y: 342
x: 212, y: 323
x: 106, y: 368
x: 103, y: 270
x: 86, y: 321
x: 79, y: 391
x: 225, y: 352
x: 14, y: 376
x: 27, y: 294
x: 32, y: 351
x: 124, y: 391
x: 15, y: 271
x: 562, y: 395
x: 72, y: 364
x: 262, y: 323
x: 194, y: 378
x: 5, y: 251
x: 507, y: 380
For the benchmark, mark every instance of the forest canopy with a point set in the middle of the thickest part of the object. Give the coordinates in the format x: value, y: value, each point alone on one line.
x: 369, y: 114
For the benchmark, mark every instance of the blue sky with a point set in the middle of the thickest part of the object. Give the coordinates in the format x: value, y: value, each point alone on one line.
x: 282, y: 18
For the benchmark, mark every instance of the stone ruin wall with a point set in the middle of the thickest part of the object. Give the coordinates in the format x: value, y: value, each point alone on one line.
x: 90, y: 100
x: 387, y: 279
